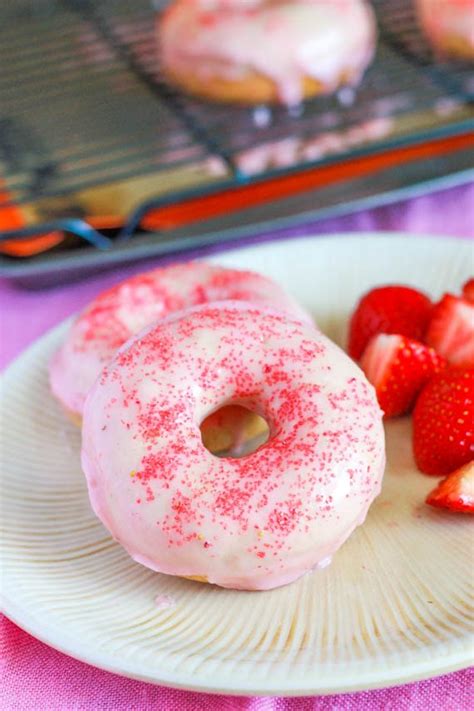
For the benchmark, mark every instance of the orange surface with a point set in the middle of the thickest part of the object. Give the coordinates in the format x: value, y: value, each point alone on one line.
x: 11, y: 218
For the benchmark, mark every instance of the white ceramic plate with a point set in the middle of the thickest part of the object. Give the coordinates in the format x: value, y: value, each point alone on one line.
x: 394, y: 606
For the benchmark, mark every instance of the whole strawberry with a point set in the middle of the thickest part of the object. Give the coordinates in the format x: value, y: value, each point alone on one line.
x: 468, y: 290
x: 443, y: 422
x: 398, y: 367
x: 388, y: 309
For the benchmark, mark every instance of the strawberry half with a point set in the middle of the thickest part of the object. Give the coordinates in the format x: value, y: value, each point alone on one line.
x: 468, y: 290
x: 456, y: 492
x: 388, y: 309
x: 398, y: 367
x: 443, y: 430
x: 451, y: 330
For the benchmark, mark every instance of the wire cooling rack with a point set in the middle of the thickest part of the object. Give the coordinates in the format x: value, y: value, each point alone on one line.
x: 83, y: 106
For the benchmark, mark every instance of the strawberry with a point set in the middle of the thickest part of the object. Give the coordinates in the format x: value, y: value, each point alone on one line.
x: 388, y: 309
x: 398, y: 367
x: 451, y: 330
x: 456, y: 492
x: 468, y: 290
x: 443, y: 431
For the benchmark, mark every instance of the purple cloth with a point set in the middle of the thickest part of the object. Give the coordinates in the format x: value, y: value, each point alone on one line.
x: 35, y: 676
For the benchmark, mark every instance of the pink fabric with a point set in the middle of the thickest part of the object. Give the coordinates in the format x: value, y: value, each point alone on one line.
x: 36, y: 677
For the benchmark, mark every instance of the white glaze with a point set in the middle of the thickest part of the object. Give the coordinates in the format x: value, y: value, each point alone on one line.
x: 256, y: 522
x: 289, y: 151
x: 122, y: 311
x: 285, y: 41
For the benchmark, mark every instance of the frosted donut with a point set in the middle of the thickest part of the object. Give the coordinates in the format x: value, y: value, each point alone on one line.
x: 260, y: 51
x: 449, y: 26
x: 122, y: 311
x: 251, y: 523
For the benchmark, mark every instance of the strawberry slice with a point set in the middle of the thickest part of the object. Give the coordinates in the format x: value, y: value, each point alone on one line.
x: 451, y: 330
x: 443, y: 431
x: 388, y: 309
x: 456, y: 492
x: 468, y: 291
x: 398, y: 367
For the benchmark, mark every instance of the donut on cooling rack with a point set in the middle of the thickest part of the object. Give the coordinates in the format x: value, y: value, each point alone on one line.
x: 449, y: 26
x: 254, y: 522
x: 115, y: 315
x: 259, y: 51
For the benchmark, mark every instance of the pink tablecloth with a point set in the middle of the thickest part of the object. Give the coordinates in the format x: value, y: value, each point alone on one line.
x: 38, y: 678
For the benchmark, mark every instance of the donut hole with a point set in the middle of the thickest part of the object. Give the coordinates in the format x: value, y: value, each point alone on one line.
x: 234, y: 431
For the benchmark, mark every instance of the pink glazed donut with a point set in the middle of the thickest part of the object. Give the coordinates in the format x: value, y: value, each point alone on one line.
x: 117, y: 314
x: 449, y: 26
x: 259, y: 51
x: 251, y: 523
